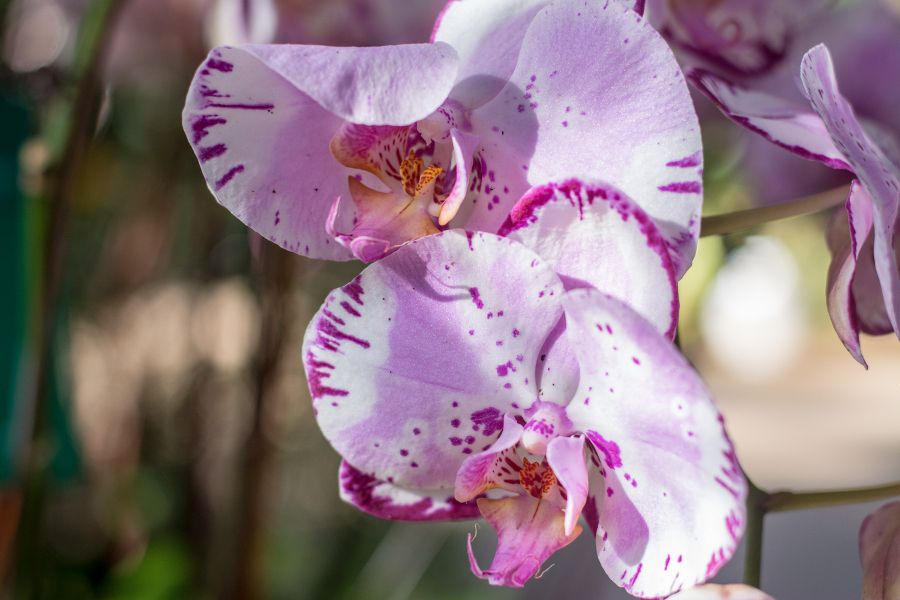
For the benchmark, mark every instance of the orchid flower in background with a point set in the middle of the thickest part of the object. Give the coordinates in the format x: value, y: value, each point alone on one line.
x: 462, y: 375
x: 879, y: 549
x: 241, y: 22
x: 759, y: 43
x: 864, y: 279
x: 352, y: 152
x: 722, y: 592
x: 738, y: 38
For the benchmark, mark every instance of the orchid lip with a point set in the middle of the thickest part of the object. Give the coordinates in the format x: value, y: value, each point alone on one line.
x: 424, y: 170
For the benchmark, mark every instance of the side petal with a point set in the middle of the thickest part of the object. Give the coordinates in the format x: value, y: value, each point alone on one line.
x: 529, y: 530
x: 593, y: 235
x: 487, y: 37
x: 597, y: 94
x: 722, y: 592
x: 795, y: 128
x: 239, y: 117
x: 566, y: 457
x: 846, y: 236
x: 412, y: 366
x: 875, y: 171
x: 669, y: 502
x: 879, y: 551
x: 388, y: 501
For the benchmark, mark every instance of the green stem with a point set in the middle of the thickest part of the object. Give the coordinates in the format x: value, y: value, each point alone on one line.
x: 745, y: 219
x: 753, y: 535
x: 785, y: 501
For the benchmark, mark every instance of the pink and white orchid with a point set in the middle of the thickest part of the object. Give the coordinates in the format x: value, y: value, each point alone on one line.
x: 465, y: 374
x: 864, y: 279
x: 351, y: 152
x: 879, y: 550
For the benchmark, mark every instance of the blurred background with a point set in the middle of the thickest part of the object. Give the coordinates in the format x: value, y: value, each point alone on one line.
x: 156, y: 434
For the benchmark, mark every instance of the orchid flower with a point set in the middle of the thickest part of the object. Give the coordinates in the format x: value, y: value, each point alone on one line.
x: 722, y: 592
x: 241, y: 21
x: 864, y: 278
x: 466, y: 373
x: 879, y: 549
x: 338, y: 153
x: 740, y: 38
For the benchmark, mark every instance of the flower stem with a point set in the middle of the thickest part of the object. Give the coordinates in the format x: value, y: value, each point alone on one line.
x: 744, y: 219
x: 753, y: 536
x: 785, y: 501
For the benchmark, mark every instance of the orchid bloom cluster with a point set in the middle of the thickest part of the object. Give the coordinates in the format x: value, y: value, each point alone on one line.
x: 527, y: 189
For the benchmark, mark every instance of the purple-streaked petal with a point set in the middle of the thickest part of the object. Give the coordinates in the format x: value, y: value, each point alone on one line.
x: 529, y: 530
x: 260, y: 120
x: 596, y: 94
x: 487, y: 37
x: 879, y: 551
x: 565, y: 456
x: 388, y: 501
x: 713, y: 591
x: 791, y: 126
x: 478, y: 472
x: 878, y: 175
x: 593, y: 235
x: 846, y: 236
x: 281, y: 186
x: 412, y: 366
x: 667, y: 492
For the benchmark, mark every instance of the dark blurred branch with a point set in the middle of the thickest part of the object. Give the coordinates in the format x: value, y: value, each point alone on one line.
x: 82, y: 111
x: 785, y: 501
x: 745, y: 219
x: 274, y: 270
x: 753, y: 536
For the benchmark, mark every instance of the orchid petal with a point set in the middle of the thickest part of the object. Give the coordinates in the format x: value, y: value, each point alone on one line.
x: 566, y: 457
x: 385, y: 221
x: 867, y: 293
x: 879, y: 550
x: 260, y: 120
x: 874, y: 170
x: 784, y: 123
x: 529, y: 530
x: 479, y: 472
x: 598, y: 81
x: 235, y: 118
x: 464, y: 147
x: 384, y: 85
x: 845, y: 257
x: 557, y: 372
x: 487, y: 36
x: 668, y: 493
x: 412, y: 366
x: 722, y: 592
x: 388, y: 501
x: 594, y: 235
